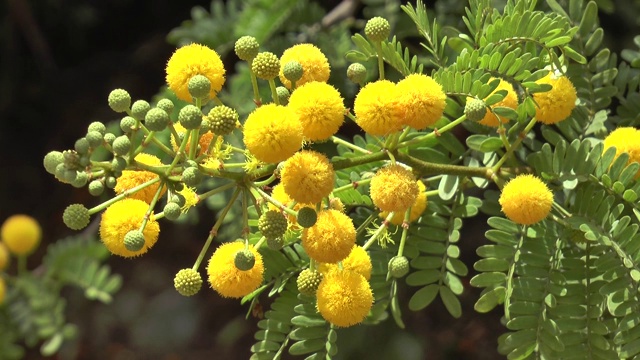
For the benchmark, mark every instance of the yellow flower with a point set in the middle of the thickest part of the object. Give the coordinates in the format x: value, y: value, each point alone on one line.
x: 226, y: 279
x: 358, y: 261
x: 3, y: 290
x: 556, y: 104
x: 190, y: 198
x: 625, y: 140
x: 132, y: 178
x: 417, y: 208
x: 422, y: 99
x: 204, y: 140
x: 315, y: 66
x: 331, y: 238
x: 4, y: 257
x: 21, y: 234
x: 278, y: 192
x: 308, y: 176
x: 272, y: 133
x: 526, y: 199
x: 320, y: 108
x: 510, y: 101
x: 344, y: 298
x: 393, y: 188
x: 191, y: 60
x: 124, y: 216
x: 377, y: 109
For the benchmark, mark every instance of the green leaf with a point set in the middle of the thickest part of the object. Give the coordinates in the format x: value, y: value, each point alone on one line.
x: 307, y: 346
x: 423, y: 297
x: 448, y: 186
x: 489, y: 300
x: 52, y: 345
x: 451, y: 302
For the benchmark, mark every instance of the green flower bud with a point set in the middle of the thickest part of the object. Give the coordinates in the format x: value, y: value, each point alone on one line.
x: 171, y: 211
x: 156, y: 119
x: 223, y: 119
x: 166, y: 105
x: 84, y: 161
x: 71, y: 159
x: 52, y: 160
x: 307, y: 217
x: 134, y: 240
x: 191, y: 176
x: 398, y: 266
x: 95, y: 139
x: 205, y: 126
x: 292, y: 71
x: 178, y: 199
x: 272, y: 224
x: 266, y: 65
x: 97, y: 126
x: 475, y: 109
x: 127, y: 124
x: 308, y: 281
x: 96, y: 188
x: 357, y: 73
x: 283, y: 95
x: 119, y: 100
x: 109, y: 137
x: 82, y: 146
x: 76, y: 216
x: 377, y: 29
x: 244, y: 260
x: 121, y: 145
x: 118, y: 163
x: 247, y: 48
x: 190, y: 117
x: 187, y: 282
x: 190, y: 164
x: 110, y: 182
x: 139, y: 109
x: 59, y: 172
x: 199, y: 87
x: 178, y: 186
x: 69, y: 176
x: 276, y: 243
x: 80, y: 180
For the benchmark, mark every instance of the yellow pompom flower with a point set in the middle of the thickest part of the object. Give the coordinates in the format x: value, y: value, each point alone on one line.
x: 556, y: 104
x: 625, y: 140
x: 189, y: 61
x: 204, y: 140
x: 510, y: 101
x: 21, y: 234
x: 358, y: 261
x: 308, y: 176
x: 315, y: 66
x: 393, y: 188
x: 272, y: 133
x: 331, y: 238
x: 224, y: 276
x: 526, y: 199
x: 417, y: 208
x: 422, y: 99
x: 344, y: 298
x: 4, y: 257
x: 124, y: 216
x: 377, y: 109
x: 320, y: 108
x: 132, y: 178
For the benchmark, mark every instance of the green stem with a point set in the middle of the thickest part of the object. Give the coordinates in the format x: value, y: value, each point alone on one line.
x: 245, y: 214
x: 378, y: 46
x: 216, y: 191
x: 337, y: 140
x: 515, y: 145
x: 254, y: 84
x: 179, y: 153
x: 360, y: 160
x: 193, y: 148
x: 260, y: 242
x: 434, y: 134
x: 378, y: 231
x: 22, y: 264
x: 147, y: 215
x: 353, y: 185
x: 274, y: 92
x: 266, y: 181
x: 427, y: 168
x: 405, y: 231
x: 121, y: 196
x: 274, y: 201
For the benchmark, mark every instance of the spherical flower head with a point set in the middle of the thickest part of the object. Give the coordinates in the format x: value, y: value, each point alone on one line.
x: 204, y: 140
x: 138, y: 111
x: 526, y: 200
x: 246, y: 48
x: 76, y: 216
x: 224, y: 276
x: 187, y: 282
x: 292, y: 71
x: 272, y: 133
x: 357, y: 73
x: 156, y: 119
x: 134, y: 240
x: 510, y: 101
x: 475, y: 109
x: 119, y: 100
x: 398, y: 266
x: 132, y: 178
x: 21, y: 234
x: 315, y: 65
x: 190, y: 117
x: 344, y: 298
x: 189, y: 61
x: 272, y: 224
x: 394, y: 188
x: 166, y: 105
x: 52, y: 160
x: 171, y: 211
x: 223, y: 119
x: 422, y: 99
x: 417, y: 208
x: 308, y: 176
x: 320, y: 108
x: 625, y: 140
x: 358, y: 261
x: 122, y: 217
x: 199, y: 87
x: 556, y: 104
x: 283, y: 95
x: 331, y: 238
x: 377, y: 29
x: 5, y: 258
x: 265, y: 65
x: 377, y: 109
x: 308, y: 281
x: 307, y: 217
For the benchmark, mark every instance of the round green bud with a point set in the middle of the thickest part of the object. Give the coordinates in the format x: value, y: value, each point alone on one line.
x: 223, y: 119
x: 60, y: 170
x: 357, y: 73
x: 398, y: 266
x: 187, y: 282
x: 110, y: 182
x: 276, y: 243
x: 94, y: 138
x: 134, y: 240
x: 139, y: 109
x: 171, y: 211
x: 76, y: 216
x: 156, y: 119
x: 127, y: 124
x: 292, y: 71
x: 119, y: 100
x: 190, y: 164
x: 244, y: 260
x: 199, y: 87
x: 377, y: 29
x: 121, y: 145
x: 190, y: 117
x: 178, y: 199
x: 166, y: 105
x: 97, y: 126
x: 109, y: 137
x: 205, y: 126
x: 247, y: 48
x: 96, y: 187
x: 307, y: 217
x: 266, y: 65
x: 308, y: 281
x: 84, y: 160
x: 52, y: 160
x: 283, y: 95
x: 82, y: 146
x: 71, y: 159
x: 178, y: 186
x: 272, y: 224
x: 69, y: 175
x: 118, y: 163
x: 191, y: 176
x: 81, y: 179
x: 475, y: 109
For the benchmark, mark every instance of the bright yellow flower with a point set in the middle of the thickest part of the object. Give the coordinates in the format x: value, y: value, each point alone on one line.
x: 358, y: 261
x: 510, y: 101
x: 377, y: 109
x: 320, y: 108
x: 4, y: 257
x: 331, y: 238
x: 422, y: 99
x: 417, y: 208
x: 272, y: 133
x: 393, y: 188
x: 526, y: 199
x: 625, y: 140
x: 132, y: 178
x: 556, y: 104
x: 226, y: 279
x: 315, y: 66
x: 124, y: 216
x: 191, y: 60
x: 204, y: 140
x: 190, y: 198
x: 308, y: 176
x: 344, y: 298
x: 21, y: 234
x: 281, y: 196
